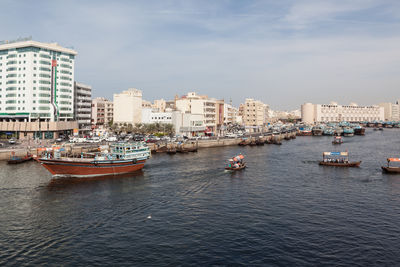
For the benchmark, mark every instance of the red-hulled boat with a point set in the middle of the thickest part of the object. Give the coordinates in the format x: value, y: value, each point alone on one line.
x: 124, y: 158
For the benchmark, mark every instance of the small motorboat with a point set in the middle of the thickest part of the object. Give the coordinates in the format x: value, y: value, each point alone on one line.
x: 391, y: 169
x: 338, y: 159
x: 236, y: 163
x: 337, y: 140
x: 17, y: 160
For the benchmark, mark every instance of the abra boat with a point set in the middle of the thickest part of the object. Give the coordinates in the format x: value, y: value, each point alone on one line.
x: 17, y: 160
x: 391, y: 169
x: 236, y: 163
x: 123, y: 158
x: 337, y: 140
x: 338, y: 159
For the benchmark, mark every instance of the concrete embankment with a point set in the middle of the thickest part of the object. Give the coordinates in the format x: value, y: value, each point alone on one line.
x: 74, y: 150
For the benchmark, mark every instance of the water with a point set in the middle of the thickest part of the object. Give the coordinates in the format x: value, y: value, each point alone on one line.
x: 283, y: 210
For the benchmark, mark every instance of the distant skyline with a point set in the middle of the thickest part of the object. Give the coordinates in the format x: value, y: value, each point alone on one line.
x: 283, y: 53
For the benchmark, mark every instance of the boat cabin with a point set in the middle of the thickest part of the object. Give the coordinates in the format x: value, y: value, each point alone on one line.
x: 393, y: 160
x: 336, y: 157
x: 132, y: 150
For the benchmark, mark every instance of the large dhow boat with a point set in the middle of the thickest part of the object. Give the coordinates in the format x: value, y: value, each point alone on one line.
x: 338, y: 159
x: 123, y: 158
x: 392, y: 169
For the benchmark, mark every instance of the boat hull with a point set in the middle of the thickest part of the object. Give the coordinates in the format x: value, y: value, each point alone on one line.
x: 391, y: 169
x: 235, y: 169
x: 92, y: 168
x: 18, y: 161
x: 337, y: 164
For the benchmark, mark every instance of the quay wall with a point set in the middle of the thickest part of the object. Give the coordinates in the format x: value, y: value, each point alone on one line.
x: 76, y: 150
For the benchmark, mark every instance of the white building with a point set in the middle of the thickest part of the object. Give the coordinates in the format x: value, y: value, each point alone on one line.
x: 187, y: 124
x: 128, y: 107
x: 316, y: 113
x: 211, y: 109
x: 83, y: 107
x: 151, y: 115
x: 36, y: 89
x: 391, y: 111
x: 36, y: 81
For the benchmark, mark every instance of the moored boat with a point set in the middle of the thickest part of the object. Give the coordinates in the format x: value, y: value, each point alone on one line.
x: 123, y: 158
x: 338, y: 159
x: 391, y: 169
x: 348, y: 131
x: 317, y: 130
x: 359, y: 130
x: 17, y: 160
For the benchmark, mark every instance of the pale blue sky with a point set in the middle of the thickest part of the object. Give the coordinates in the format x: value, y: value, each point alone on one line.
x: 281, y: 52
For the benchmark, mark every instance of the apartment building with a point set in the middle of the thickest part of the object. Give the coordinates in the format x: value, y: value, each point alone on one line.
x: 102, y: 112
x: 254, y: 113
x: 211, y: 109
x: 316, y: 113
x: 128, y: 107
x: 83, y: 107
x: 391, y: 111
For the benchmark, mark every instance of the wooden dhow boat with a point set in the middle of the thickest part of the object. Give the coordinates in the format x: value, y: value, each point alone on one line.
x: 123, y: 158
x: 338, y: 159
x: 391, y: 169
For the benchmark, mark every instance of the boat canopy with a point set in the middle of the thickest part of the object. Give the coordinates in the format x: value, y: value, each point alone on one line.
x: 393, y: 159
x: 344, y: 154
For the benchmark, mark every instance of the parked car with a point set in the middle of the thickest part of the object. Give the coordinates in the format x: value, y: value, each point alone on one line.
x: 111, y: 139
x: 12, y: 141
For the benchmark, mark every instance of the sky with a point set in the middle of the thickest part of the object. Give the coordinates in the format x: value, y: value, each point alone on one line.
x: 281, y: 52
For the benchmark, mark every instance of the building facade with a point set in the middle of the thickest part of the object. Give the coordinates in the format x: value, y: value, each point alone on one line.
x: 151, y: 115
x: 37, y: 85
x: 254, y: 113
x: 102, y: 112
x: 128, y: 107
x: 83, y: 107
x: 36, y: 81
x: 211, y: 109
x: 391, y: 111
x: 316, y: 113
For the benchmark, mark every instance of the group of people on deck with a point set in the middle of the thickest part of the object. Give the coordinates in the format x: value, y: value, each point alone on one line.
x: 341, y: 160
x: 236, y: 162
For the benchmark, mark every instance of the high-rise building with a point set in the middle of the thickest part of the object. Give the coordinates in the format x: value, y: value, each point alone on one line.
x: 102, y: 112
x: 36, y: 81
x: 128, y: 107
x: 316, y: 113
x: 83, y: 107
x: 36, y: 89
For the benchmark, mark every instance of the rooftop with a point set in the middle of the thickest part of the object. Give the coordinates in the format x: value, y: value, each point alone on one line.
x: 50, y: 46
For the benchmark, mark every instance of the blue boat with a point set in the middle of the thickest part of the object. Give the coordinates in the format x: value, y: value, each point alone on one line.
x: 348, y: 131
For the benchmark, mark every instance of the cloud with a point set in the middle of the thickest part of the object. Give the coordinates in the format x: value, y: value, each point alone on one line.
x: 282, y: 52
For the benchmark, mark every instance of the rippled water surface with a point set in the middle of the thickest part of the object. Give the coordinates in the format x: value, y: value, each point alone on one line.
x: 284, y: 209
